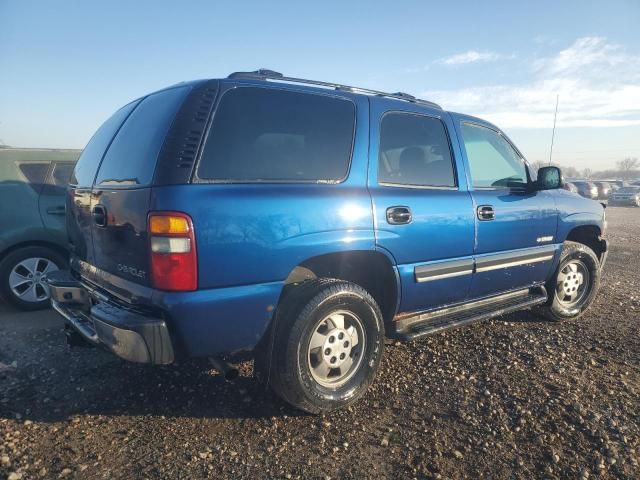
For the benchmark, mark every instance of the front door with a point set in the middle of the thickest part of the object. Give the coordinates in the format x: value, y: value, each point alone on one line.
x: 423, y: 211
x: 515, y: 223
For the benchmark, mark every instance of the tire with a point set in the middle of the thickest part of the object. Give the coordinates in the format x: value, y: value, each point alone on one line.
x: 574, y: 285
x: 327, y: 343
x: 16, y: 287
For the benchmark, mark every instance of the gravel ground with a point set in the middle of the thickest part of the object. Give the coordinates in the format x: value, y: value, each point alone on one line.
x: 515, y: 397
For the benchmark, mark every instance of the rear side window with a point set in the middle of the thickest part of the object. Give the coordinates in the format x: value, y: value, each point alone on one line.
x: 89, y: 161
x: 276, y: 135
x: 131, y: 158
x: 414, y: 151
x: 35, y: 173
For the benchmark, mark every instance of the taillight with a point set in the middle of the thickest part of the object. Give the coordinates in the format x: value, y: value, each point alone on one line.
x: 174, y: 263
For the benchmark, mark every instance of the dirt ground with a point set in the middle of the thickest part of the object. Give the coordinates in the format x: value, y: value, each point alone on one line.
x: 515, y: 397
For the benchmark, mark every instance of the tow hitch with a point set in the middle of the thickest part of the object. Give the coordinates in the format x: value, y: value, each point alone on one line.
x: 74, y: 339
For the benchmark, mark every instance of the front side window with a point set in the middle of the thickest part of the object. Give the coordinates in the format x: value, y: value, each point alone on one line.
x: 414, y: 151
x: 262, y: 135
x: 493, y: 162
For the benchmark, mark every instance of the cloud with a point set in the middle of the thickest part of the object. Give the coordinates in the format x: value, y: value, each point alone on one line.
x: 598, y: 83
x: 470, y: 56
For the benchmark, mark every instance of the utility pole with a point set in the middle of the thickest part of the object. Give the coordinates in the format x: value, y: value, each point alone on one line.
x: 553, y: 132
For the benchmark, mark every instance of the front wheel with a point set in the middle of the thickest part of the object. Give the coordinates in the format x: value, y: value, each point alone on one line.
x: 575, y: 283
x: 327, y: 345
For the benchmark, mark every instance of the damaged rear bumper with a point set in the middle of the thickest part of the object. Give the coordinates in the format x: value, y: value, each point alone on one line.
x: 130, y: 335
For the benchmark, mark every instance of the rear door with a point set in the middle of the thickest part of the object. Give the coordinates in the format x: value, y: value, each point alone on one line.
x: 515, y: 223
x: 423, y: 211
x: 78, y: 201
x: 121, y: 193
x: 52, y: 197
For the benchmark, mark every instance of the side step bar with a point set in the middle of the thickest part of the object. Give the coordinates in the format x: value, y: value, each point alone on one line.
x: 416, y: 325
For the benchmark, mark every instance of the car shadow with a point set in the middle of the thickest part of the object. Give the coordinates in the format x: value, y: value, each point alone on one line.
x: 523, y: 316
x: 97, y: 384
x: 42, y: 379
x: 55, y: 383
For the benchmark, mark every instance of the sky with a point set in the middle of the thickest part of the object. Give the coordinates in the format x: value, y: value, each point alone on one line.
x: 65, y: 66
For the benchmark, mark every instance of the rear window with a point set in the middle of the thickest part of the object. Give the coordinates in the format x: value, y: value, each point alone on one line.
x: 276, y: 135
x: 61, y: 174
x: 131, y: 158
x: 87, y: 166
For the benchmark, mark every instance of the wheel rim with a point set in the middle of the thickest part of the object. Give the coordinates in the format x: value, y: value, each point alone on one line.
x: 335, y: 348
x: 27, y: 279
x: 573, y: 283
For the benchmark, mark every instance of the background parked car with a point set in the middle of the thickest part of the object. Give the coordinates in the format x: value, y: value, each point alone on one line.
x: 604, y: 190
x: 586, y: 189
x: 33, y: 237
x: 571, y: 187
x: 616, y: 184
x: 626, y: 196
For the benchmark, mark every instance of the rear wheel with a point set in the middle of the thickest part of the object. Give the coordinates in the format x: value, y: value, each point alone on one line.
x: 23, y: 275
x: 327, y: 345
x: 575, y: 283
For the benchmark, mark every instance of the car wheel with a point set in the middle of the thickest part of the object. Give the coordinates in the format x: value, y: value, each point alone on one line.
x: 23, y: 274
x: 327, y: 345
x: 575, y: 283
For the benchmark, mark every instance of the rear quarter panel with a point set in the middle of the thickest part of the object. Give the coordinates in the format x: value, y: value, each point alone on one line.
x: 258, y: 232
x: 248, y: 234
x: 249, y: 237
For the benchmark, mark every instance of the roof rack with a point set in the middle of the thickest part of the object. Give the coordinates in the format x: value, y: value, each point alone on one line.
x: 266, y: 74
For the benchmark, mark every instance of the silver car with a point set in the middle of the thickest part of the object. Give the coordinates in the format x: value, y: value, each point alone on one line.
x: 626, y: 196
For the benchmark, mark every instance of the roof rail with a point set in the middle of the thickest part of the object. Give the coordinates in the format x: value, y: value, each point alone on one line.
x: 266, y: 74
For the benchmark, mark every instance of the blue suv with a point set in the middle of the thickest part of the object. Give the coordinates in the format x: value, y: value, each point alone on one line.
x: 301, y: 222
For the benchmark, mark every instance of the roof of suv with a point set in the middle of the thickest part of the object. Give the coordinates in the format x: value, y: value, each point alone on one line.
x: 273, y: 77
x: 270, y: 75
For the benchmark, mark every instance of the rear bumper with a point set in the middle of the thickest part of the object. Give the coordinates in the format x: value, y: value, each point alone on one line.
x: 128, y: 334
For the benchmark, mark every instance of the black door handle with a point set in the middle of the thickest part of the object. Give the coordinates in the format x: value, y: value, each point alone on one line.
x: 486, y: 212
x: 100, y: 215
x: 399, y: 215
x: 59, y: 210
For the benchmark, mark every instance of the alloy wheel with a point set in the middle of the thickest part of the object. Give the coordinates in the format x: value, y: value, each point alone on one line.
x: 27, y: 279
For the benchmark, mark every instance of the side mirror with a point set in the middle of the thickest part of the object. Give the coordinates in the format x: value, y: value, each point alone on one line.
x: 549, y: 178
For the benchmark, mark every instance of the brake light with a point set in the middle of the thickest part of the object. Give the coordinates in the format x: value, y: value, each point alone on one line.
x: 174, y: 263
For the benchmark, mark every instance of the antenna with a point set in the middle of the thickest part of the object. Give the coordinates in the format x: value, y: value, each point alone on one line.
x: 553, y: 132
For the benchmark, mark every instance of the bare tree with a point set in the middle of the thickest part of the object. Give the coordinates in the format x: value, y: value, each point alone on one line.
x: 570, y: 172
x: 627, y: 166
x: 586, y: 173
x: 535, y: 166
